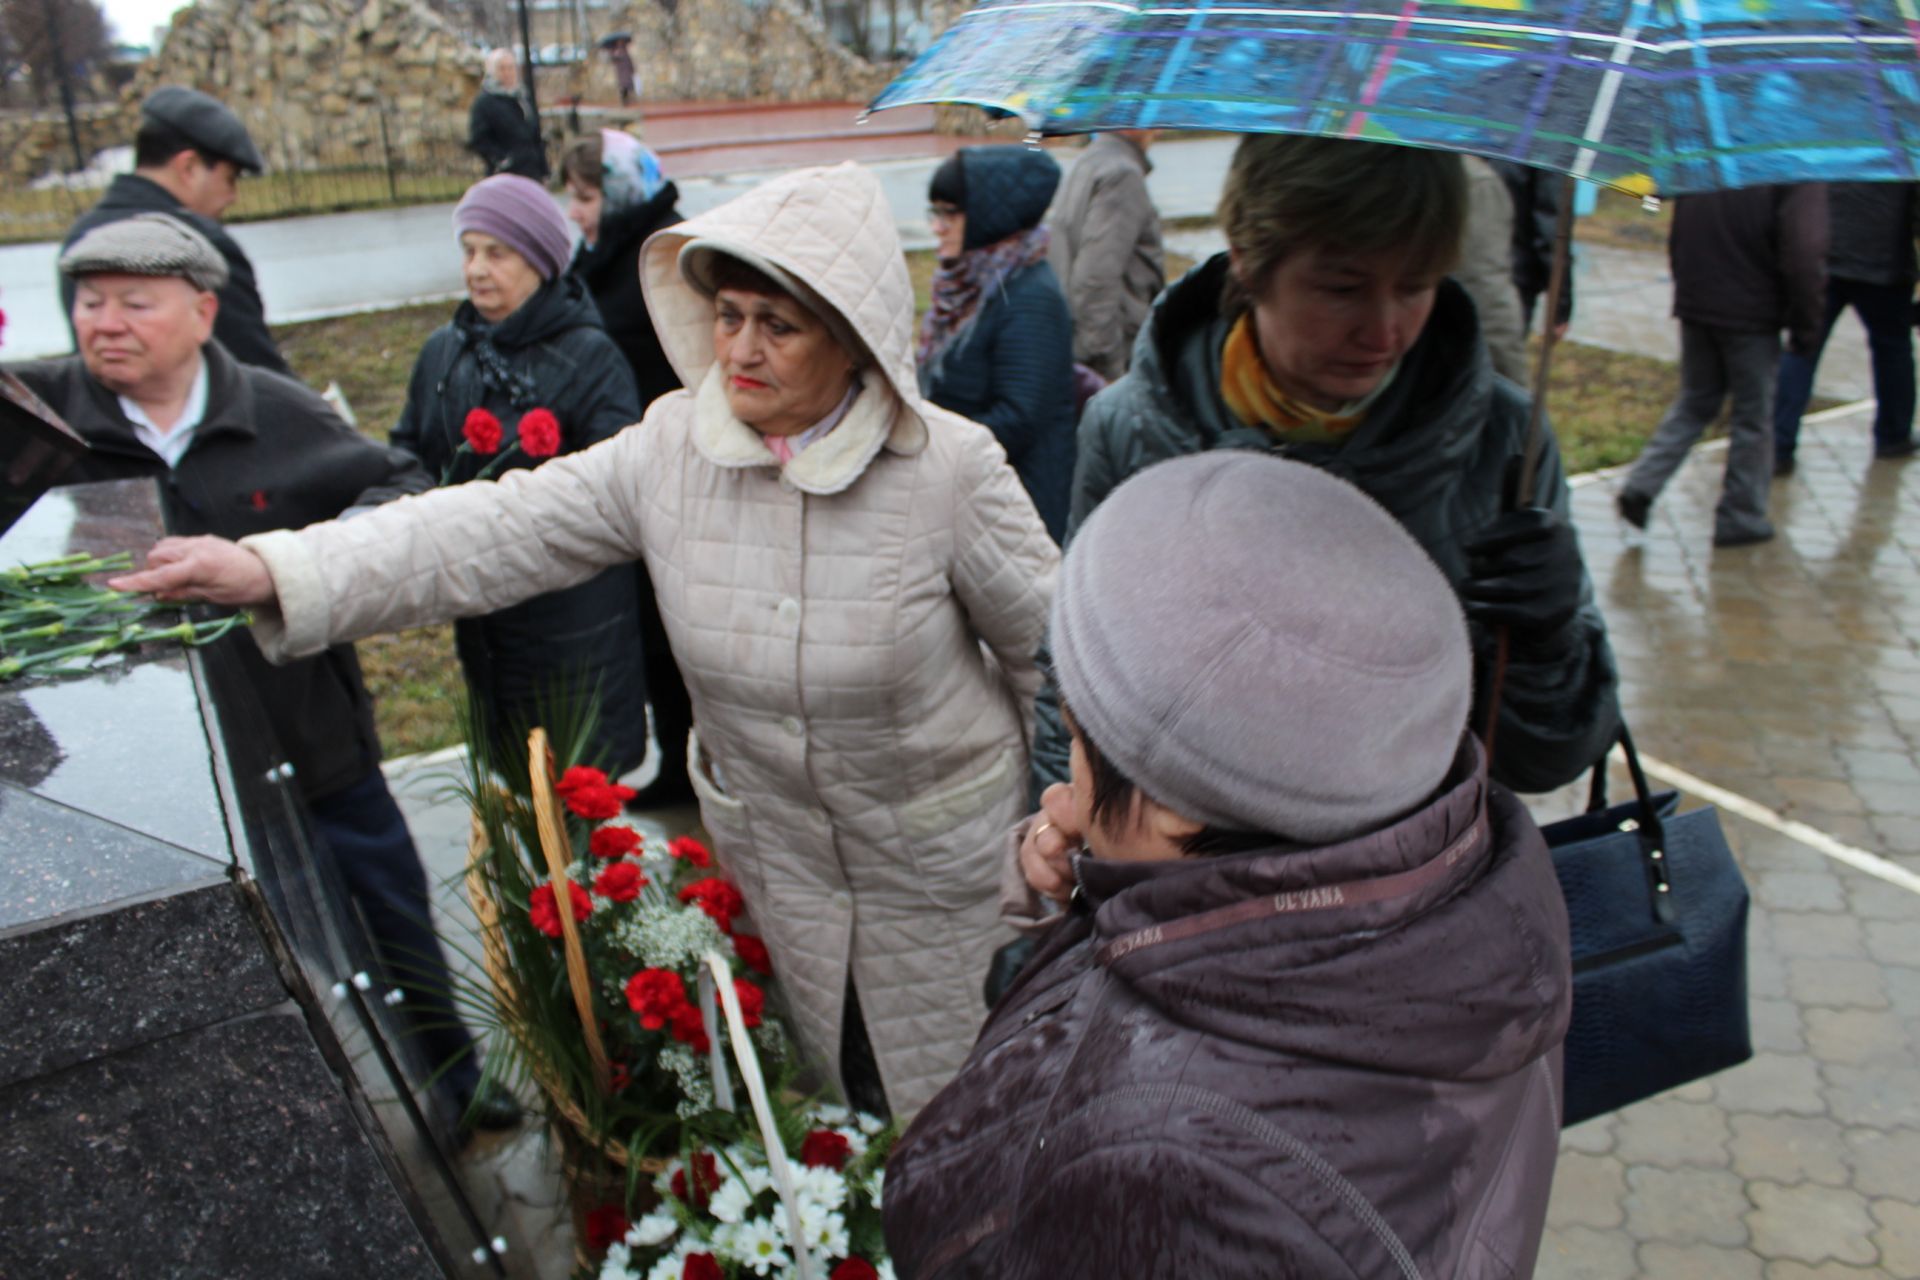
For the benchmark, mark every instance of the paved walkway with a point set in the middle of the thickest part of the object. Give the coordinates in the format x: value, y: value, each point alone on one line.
x: 1789, y: 676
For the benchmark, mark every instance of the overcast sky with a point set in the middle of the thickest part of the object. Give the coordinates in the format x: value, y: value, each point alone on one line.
x: 133, y: 21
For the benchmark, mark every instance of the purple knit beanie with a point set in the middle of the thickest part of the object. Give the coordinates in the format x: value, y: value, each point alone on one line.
x: 520, y: 214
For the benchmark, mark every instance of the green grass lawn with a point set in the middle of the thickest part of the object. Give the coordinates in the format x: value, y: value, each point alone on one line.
x: 1603, y: 405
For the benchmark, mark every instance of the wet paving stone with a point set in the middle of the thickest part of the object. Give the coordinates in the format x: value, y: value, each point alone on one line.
x: 1811, y: 1223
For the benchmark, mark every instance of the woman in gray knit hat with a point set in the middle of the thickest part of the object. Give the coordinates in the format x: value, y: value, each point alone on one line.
x: 1303, y: 1015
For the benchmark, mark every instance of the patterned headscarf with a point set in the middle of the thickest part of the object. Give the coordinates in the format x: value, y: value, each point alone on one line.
x: 629, y: 172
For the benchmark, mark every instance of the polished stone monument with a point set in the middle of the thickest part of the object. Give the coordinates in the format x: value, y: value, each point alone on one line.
x: 183, y: 1074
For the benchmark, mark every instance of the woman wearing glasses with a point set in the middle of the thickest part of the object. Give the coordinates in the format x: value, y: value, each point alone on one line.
x: 996, y: 346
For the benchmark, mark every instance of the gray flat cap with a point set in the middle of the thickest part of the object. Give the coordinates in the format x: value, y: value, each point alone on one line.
x: 206, y: 122
x: 147, y: 244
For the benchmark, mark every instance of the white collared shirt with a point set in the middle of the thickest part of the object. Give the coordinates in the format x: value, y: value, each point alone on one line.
x: 171, y: 444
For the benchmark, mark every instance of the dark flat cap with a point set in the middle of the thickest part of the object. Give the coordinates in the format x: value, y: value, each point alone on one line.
x: 147, y: 244
x: 206, y: 122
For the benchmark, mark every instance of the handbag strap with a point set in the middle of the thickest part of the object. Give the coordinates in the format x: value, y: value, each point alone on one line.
x: 1648, y: 825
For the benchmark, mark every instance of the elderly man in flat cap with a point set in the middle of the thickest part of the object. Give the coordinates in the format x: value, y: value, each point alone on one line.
x: 239, y: 450
x: 187, y: 160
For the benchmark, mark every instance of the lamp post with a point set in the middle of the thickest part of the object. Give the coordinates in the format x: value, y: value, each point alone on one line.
x: 526, y: 48
x: 58, y: 53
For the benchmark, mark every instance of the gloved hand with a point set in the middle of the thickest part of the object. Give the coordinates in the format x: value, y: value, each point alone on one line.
x: 1524, y: 572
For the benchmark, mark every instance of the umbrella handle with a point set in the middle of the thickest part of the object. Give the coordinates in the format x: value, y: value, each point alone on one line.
x: 1556, y: 286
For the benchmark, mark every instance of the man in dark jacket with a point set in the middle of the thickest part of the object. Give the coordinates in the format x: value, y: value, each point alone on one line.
x: 502, y: 129
x: 239, y: 450
x: 1746, y: 264
x: 1303, y: 1013
x: 187, y: 160
x: 1871, y: 268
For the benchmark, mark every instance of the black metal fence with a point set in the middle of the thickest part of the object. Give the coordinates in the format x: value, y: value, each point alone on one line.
x: 368, y: 159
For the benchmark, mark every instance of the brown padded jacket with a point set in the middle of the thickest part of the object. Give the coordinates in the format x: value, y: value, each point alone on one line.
x: 1323, y: 1062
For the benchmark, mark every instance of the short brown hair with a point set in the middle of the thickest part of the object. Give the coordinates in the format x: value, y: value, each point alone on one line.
x: 582, y: 160
x: 1287, y: 192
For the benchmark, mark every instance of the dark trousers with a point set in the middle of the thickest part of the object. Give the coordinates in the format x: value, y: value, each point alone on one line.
x: 1887, y: 312
x: 364, y: 830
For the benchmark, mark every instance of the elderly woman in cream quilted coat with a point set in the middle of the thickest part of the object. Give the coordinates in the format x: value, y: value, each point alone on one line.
x: 857, y: 621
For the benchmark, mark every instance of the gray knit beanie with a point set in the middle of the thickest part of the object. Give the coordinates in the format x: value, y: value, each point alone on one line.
x: 1261, y: 647
x: 520, y: 214
x: 147, y: 244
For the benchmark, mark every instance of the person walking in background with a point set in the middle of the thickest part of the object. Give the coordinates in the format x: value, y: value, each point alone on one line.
x: 239, y: 450
x: 502, y: 128
x: 524, y: 365
x: 996, y: 346
x: 1304, y: 1018
x: 1871, y: 268
x: 187, y: 160
x: 618, y: 197
x: 1536, y: 223
x: 1485, y: 270
x: 1106, y: 248
x: 1746, y: 264
x: 620, y: 54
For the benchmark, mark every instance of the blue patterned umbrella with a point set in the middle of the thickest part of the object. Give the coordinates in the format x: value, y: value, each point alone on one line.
x: 1672, y: 97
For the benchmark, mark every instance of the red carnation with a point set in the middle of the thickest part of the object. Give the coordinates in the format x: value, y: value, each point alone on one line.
x: 691, y: 851
x: 539, y: 433
x: 597, y: 804
x: 482, y: 432
x: 701, y: 1266
x: 605, y: 1225
x: 613, y: 842
x: 690, y: 1029
x: 753, y: 954
x: 753, y: 1001
x: 718, y: 898
x: 546, y: 916
x: 620, y: 882
x: 706, y: 1181
x: 579, y: 776
x: 854, y: 1269
x: 656, y: 995
x: 825, y: 1149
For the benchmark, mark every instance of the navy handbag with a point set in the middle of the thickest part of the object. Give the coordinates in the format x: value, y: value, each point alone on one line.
x: 1658, y: 911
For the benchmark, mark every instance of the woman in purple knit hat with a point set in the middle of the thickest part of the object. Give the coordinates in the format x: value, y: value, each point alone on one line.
x: 523, y: 371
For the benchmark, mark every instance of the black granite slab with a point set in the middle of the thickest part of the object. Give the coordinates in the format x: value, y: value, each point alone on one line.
x: 249, y: 1165
x: 100, y: 983
x: 57, y: 861
x: 128, y: 741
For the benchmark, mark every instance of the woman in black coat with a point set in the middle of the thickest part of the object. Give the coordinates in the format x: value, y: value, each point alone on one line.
x: 618, y: 197
x: 524, y: 370
x: 997, y: 344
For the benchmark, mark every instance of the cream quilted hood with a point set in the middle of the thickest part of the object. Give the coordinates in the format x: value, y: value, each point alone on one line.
x: 830, y: 227
x: 857, y: 629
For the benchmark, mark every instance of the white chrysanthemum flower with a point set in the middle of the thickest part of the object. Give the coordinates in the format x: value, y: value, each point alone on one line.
x: 885, y: 1268
x: 671, y: 1267
x: 826, y: 1233
x: 757, y: 1244
x: 831, y: 1115
x: 869, y: 1125
x: 655, y: 1228
x: 876, y: 1185
x: 732, y: 1201
x: 856, y: 1141
x: 617, y: 1265
x: 824, y: 1187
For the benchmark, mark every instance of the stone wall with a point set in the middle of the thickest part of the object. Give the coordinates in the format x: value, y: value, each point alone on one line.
x: 735, y: 51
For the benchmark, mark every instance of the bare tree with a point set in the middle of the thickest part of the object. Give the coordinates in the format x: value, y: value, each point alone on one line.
x: 83, y: 42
